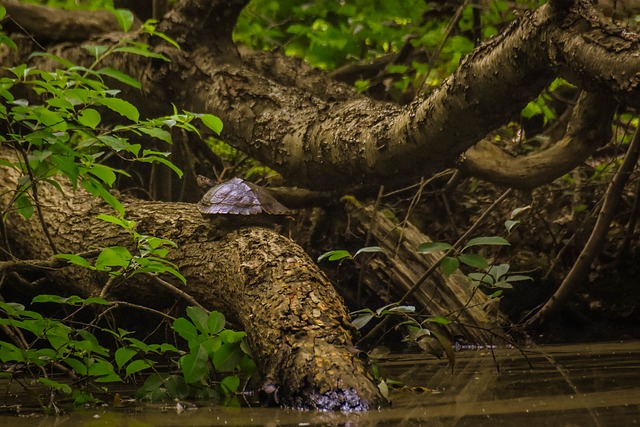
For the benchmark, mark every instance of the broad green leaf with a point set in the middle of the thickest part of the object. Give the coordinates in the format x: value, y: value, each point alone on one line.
x: 230, y: 384
x: 481, y: 277
x: 199, y: 318
x: 518, y: 278
x: 335, y: 255
x: 194, y: 366
x: 158, y: 133
x: 95, y: 50
x: 137, y: 366
x: 229, y: 336
x: 211, y: 345
x: 227, y: 357
x: 215, y: 322
x: 113, y: 256
x: 129, y: 225
x: 120, y: 76
x: 212, y: 122
x: 24, y: 206
x: 77, y: 365
x: 429, y: 247
x: 50, y: 298
x: 438, y: 319
x: 474, y: 260
x: 123, y: 355
x: 55, y: 385
x: 163, y: 160
x: 185, y: 329
x: 497, y: 271
x: 105, y: 173
x: 120, y: 106
x: 95, y: 188
x: 491, y: 241
x: 449, y: 265
x: 103, y: 372
x: 124, y: 17
x: 89, y: 118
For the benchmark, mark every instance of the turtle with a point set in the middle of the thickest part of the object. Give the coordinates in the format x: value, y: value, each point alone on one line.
x: 238, y: 197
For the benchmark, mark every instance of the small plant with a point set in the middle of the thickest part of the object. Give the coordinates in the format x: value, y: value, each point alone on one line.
x: 216, y: 358
x: 453, y: 257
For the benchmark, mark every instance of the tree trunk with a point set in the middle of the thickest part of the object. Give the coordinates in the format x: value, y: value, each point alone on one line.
x: 297, y: 325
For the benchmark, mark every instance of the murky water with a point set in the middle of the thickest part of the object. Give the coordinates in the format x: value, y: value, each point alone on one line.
x: 573, y: 385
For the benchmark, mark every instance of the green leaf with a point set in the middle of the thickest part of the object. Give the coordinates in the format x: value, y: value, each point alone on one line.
x: 164, y: 161
x: 449, y: 265
x: 194, y: 366
x: 229, y: 336
x: 158, y: 133
x: 212, y: 122
x: 137, y: 366
x: 335, y: 255
x: 77, y: 365
x: 230, y: 384
x: 185, y: 329
x: 123, y: 355
x: 491, y: 241
x: 429, y: 247
x: 474, y: 260
x: 199, y: 318
x: 438, y: 319
x: 120, y: 76
x: 95, y: 50
x: 124, y: 17
x: 215, y: 322
x: 227, y: 357
x: 114, y: 256
x: 75, y: 259
x: 120, y: 106
x: 24, y: 206
x: 55, y: 385
x: 141, y: 51
x: 89, y: 118
x: 105, y: 173
x: 518, y: 278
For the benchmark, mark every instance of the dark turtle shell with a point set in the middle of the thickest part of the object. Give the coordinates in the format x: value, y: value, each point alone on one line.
x: 239, y: 197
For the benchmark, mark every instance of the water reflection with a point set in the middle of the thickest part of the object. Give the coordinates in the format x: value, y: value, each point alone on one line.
x: 574, y: 385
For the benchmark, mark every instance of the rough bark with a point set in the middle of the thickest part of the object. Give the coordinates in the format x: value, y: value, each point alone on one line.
x: 325, y: 142
x: 295, y: 321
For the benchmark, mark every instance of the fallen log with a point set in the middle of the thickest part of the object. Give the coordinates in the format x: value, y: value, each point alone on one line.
x: 297, y: 326
x: 475, y: 317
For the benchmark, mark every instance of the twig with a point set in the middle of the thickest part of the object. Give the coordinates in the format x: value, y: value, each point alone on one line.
x: 580, y: 269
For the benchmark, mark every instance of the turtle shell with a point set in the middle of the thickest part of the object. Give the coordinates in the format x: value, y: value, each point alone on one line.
x: 239, y: 197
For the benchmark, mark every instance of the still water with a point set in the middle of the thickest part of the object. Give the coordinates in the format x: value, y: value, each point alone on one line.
x: 573, y: 385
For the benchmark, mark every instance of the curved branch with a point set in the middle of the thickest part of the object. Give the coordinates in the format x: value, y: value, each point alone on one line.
x: 589, y: 128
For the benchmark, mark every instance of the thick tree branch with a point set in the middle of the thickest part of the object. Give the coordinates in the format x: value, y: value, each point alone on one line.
x: 588, y: 129
x: 333, y: 143
x: 40, y: 22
